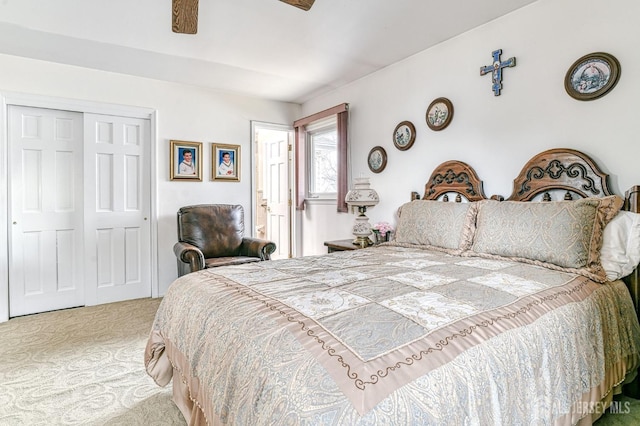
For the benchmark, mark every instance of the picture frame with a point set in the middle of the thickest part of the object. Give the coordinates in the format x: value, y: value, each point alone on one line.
x: 189, y: 168
x: 377, y: 159
x: 592, y: 76
x: 225, y: 162
x: 404, y: 135
x: 439, y: 114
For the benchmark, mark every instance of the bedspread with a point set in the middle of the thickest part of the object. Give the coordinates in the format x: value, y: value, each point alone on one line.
x: 393, y: 335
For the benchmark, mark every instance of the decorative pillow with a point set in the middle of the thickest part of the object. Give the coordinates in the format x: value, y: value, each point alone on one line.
x: 437, y: 224
x: 620, y: 252
x: 563, y: 235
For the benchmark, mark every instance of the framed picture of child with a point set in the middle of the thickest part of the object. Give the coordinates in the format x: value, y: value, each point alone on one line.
x: 186, y: 161
x: 225, y: 161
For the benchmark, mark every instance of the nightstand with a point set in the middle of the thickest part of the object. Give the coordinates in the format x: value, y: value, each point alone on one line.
x: 341, y: 245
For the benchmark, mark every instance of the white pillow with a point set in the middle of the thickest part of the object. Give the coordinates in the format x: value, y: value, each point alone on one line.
x: 620, y: 252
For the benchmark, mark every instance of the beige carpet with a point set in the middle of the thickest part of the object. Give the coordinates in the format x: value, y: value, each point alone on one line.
x: 82, y: 366
x: 85, y: 366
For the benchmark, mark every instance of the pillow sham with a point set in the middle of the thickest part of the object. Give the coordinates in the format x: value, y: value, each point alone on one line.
x: 447, y: 226
x: 562, y: 235
x: 620, y: 253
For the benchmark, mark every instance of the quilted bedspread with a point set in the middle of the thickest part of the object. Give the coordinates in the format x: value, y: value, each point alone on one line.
x: 392, y: 335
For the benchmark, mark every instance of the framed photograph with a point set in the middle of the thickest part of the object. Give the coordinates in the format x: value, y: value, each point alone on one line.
x: 404, y: 135
x: 377, y: 159
x: 439, y: 114
x: 225, y: 162
x: 592, y: 76
x: 185, y: 161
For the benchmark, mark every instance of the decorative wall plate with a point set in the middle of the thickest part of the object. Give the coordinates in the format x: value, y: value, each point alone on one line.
x: 404, y: 135
x: 592, y: 76
x: 377, y: 159
x: 439, y: 114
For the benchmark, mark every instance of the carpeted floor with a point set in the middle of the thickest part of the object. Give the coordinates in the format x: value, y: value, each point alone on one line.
x: 84, y: 366
x: 625, y: 412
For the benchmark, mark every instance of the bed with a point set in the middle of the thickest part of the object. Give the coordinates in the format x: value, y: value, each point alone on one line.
x: 489, y: 311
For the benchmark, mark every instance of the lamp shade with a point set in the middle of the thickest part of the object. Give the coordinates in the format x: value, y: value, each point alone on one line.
x: 361, y: 195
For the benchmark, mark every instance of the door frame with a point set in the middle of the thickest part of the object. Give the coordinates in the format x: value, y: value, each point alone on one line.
x: 38, y: 101
x: 293, y: 248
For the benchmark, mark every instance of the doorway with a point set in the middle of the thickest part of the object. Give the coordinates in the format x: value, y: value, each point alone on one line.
x: 80, y: 228
x: 272, y: 203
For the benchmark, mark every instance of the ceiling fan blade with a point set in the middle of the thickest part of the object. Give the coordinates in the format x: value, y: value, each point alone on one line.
x: 302, y: 4
x: 185, y: 16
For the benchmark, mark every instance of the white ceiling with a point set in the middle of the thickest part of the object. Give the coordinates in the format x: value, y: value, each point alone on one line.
x: 262, y: 48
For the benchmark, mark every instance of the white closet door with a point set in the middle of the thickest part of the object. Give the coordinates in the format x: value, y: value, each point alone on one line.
x: 45, y: 163
x: 117, y: 208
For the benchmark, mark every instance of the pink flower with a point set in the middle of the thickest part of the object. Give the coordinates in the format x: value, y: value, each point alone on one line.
x: 382, y: 227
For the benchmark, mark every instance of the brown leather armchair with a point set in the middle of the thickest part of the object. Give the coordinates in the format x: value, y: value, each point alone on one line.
x: 211, y: 235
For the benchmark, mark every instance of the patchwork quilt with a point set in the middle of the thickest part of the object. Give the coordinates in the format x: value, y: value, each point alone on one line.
x: 389, y: 335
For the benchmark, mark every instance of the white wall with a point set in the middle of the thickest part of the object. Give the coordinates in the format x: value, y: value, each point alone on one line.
x: 320, y: 222
x: 497, y: 134
x: 184, y: 112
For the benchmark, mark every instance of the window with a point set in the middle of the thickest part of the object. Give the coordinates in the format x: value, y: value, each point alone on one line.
x: 315, y: 168
x: 322, y: 139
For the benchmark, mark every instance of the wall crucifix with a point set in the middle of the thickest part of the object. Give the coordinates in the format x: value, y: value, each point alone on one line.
x: 496, y: 70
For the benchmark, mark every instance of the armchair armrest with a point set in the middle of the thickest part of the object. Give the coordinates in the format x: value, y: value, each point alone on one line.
x: 255, y: 247
x: 190, y: 255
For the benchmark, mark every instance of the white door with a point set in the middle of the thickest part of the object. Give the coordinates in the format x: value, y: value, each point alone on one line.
x: 277, y: 190
x: 117, y: 208
x: 45, y: 166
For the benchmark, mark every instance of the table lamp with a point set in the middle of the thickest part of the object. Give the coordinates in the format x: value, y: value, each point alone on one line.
x: 361, y: 196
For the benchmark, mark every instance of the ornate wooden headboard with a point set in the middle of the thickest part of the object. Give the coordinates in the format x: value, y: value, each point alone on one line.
x: 560, y: 169
x: 454, y: 177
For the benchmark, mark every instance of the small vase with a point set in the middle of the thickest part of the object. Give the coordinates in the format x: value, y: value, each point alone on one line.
x: 377, y: 237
